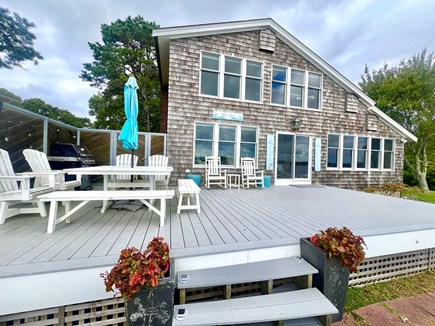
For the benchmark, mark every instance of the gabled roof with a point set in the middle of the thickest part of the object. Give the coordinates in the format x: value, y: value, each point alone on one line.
x: 162, y: 37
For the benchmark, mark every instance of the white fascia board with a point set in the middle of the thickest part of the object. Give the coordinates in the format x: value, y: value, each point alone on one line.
x: 393, y: 124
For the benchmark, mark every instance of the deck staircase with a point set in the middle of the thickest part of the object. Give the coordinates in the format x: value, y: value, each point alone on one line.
x: 286, y: 296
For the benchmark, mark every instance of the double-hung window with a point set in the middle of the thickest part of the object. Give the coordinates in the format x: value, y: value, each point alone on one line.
x: 230, y: 77
x: 302, y: 90
x: 279, y: 85
x: 210, y: 74
x: 203, y: 142
x: 227, y: 144
x: 253, y: 81
x: 333, y: 151
x: 348, y: 151
x: 388, y: 154
x: 375, y: 154
x: 230, y: 142
x: 361, y: 161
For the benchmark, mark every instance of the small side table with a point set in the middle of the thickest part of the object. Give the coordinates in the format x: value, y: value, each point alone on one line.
x: 233, y: 180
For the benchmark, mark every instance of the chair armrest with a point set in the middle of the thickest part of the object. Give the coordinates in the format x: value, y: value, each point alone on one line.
x: 260, y: 172
x: 51, y: 176
x: 17, y: 177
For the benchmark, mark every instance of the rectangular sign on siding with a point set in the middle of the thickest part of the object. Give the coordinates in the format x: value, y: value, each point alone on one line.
x: 269, y: 152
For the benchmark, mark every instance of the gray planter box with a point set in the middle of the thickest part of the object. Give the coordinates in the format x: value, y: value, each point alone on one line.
x: 332, y: 279
x: 153, y: 307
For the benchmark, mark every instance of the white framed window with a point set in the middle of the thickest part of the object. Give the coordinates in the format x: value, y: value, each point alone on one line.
x: 348, y: 152
x: 388, y: 154
x: 375, y: 153
x: 254, y: 73
x: 304, y: 88
x: 210, y: 74
x: 279, y: 85
x: 333, y: 151
x: 230, y: 77
x: 362, y: 150
x: 230, y: 142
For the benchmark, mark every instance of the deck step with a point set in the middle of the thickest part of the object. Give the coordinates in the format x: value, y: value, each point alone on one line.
x: 244, y: 273
x: 263, y: 308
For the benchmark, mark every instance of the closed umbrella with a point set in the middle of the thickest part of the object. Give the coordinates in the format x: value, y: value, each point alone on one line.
x: 129, y: 132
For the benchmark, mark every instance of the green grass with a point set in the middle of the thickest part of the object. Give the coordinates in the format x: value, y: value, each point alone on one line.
x: 408, y: 286
x: 429, y: 197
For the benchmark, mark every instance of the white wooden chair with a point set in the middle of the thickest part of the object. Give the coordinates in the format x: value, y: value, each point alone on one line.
x: 159, y: 160
x: 214, y: 175
x: 38, y: 162
x: 16, y: 189
x: 250, y: 176
x: 124, y: 160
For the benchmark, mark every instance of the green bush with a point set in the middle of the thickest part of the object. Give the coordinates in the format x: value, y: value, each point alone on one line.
x: 395, y: 189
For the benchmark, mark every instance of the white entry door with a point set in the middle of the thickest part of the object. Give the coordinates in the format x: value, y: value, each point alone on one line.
x: 293, y: 159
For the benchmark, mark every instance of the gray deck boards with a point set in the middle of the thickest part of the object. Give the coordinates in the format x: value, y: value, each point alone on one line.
x: 229, y: 219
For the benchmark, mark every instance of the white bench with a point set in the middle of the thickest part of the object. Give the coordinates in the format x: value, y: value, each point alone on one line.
x: 188, y: 188
x: 86, y: 196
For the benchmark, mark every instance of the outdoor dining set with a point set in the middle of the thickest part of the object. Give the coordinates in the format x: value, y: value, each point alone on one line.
x: 150, y: 184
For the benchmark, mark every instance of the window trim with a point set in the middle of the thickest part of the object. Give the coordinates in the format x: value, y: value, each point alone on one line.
x: 221, y: 78
x: 368, y: 152
x: 215, y: 141
x: 288, y: 85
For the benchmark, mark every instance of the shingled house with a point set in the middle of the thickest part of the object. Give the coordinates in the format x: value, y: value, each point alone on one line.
x: 251, y: 89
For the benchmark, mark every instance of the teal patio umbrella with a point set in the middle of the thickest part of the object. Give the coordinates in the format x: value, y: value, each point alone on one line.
x: 129, y: 132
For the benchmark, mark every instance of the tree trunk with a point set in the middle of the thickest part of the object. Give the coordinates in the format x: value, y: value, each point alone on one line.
x: 419, y: 169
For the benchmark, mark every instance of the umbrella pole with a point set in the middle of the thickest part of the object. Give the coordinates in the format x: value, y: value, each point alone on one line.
x: 132, y: 163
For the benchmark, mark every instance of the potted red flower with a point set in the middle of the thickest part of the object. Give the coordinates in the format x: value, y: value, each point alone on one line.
x: 335, y: 253
x: 141, y: 278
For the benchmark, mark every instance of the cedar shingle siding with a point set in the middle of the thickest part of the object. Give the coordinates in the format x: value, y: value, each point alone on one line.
x: 340, y: 112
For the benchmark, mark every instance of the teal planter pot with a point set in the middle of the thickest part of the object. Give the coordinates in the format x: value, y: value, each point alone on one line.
x: 194, y: 177
x: 266, y: 179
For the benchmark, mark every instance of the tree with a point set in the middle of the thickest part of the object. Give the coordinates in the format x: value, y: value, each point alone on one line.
x: 127, y: 49
x: 16, y: 41
x: 407, y: 94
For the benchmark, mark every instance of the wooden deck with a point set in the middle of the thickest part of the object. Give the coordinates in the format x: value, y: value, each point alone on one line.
x: 235, y: 226
x: 230, y: 220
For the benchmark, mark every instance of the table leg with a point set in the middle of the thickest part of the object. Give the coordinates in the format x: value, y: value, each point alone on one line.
x: 152, y: 187
x: 105, y: 188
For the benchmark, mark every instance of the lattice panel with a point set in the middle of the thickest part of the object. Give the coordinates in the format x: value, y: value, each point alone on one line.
x: 387, y: 267
x: 105, y: 312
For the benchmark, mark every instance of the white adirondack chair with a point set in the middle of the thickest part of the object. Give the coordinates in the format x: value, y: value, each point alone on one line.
x: 16, y: 190
x: 250, y: 176
x: 160, y: 160
x: 214, y: 175
x: 38, y: 162
x: 124, y: 160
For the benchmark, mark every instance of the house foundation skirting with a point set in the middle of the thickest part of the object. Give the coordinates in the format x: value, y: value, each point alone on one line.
x: 112, y: 311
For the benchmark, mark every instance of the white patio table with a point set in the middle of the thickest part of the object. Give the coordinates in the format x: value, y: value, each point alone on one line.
x: 108, y: 170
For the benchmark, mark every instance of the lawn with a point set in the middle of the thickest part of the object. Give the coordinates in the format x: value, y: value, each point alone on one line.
x: 407, y: 286
x: 429, y: 197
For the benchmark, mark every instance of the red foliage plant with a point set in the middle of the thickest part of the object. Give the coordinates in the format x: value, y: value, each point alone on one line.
x: 136, y: 269
x: 342, y: 243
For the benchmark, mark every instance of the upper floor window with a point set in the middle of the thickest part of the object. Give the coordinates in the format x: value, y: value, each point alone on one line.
x: 304, y: 87
x: 210, y: 74
x: 238, y: 79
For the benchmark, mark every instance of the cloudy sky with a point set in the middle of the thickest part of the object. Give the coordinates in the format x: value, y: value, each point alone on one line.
x: 348, y: 34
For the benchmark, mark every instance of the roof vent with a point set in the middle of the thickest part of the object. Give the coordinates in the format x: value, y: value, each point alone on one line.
x: 267, y: 40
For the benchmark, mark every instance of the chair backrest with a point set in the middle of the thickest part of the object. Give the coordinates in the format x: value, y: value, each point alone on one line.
x: 158, y: 160
x: 248, y: 166
x: 213, y: 165
x: 38, y: 162
x: 6, y: 170
x: 124, y: 160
